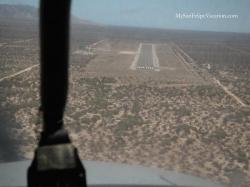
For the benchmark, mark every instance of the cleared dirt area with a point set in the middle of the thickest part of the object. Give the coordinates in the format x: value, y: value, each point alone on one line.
x: 161, y: 63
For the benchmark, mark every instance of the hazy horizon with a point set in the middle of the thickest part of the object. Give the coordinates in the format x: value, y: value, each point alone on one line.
x: 163, y: 14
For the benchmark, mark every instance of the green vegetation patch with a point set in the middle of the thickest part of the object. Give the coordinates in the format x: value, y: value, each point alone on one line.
x: 220, y: 134
x: 108, y: 80
x: 101, y: 92
x: 206, y: 90
x: 242, y: 156
x: 128, y: 122
x: 136, y: 107
x: 183, y: 111
x: 183, y: 128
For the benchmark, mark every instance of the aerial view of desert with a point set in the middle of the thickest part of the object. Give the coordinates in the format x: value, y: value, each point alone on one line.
x: 170, y: 99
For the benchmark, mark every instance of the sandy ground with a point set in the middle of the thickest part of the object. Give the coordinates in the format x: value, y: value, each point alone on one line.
x: 174, y: 119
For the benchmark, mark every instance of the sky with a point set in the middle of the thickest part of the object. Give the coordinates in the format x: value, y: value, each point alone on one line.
x: 162, y: 13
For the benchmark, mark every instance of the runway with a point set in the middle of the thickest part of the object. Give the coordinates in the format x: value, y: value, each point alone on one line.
x: 146, y: 58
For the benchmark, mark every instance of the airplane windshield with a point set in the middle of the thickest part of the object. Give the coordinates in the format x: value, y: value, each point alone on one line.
x: 162, y: 84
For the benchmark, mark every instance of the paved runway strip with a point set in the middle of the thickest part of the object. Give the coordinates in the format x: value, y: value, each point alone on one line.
x: 146, y: 58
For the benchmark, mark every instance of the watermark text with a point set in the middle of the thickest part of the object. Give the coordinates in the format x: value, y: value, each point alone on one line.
x: 205, y: 16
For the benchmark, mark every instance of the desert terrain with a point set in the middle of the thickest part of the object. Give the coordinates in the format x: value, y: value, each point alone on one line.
x: 177, y: 100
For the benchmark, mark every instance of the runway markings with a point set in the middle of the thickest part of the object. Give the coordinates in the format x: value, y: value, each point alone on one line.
x: 18, y: 73
x: 145, y: 67
x: 127, y: 52
x: 148, y: 63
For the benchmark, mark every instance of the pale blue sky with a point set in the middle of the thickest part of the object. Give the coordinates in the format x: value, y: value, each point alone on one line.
x: 161, y: 13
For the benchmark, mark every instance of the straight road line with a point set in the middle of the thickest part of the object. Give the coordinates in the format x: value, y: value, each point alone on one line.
x: 18, y: 73
x: 134, y: 63
x: 179, y: 54
x: 89, y: 47
x: 20, y: 41
x: 238, y: 100
x: 14, y: 42
x: 155, y: 58
x: 98, y: 42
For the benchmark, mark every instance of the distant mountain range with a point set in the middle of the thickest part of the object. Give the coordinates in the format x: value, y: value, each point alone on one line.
x: 18, y: 11
x: 30, y: 13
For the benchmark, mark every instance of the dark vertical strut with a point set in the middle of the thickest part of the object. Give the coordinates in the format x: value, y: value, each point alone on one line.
x: 54, y: 44
x: 56, y: 161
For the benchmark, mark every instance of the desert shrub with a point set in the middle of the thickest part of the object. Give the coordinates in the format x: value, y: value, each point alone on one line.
x: 220, y: 134
x: 128, y: 122
x: 242, y: 156
x: 183, y: 128
x: 136, y: 107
